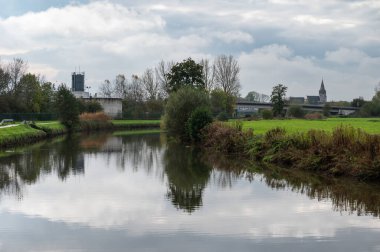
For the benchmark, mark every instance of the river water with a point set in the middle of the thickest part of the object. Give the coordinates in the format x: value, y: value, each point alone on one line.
x: 120, y: 192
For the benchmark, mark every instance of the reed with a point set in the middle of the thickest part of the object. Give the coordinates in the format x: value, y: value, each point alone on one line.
x: 346, y: 151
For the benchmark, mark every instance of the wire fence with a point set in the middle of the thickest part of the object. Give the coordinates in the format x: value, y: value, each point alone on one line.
x: 54, y: 117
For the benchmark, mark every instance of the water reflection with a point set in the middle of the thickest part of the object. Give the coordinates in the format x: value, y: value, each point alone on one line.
x: 188, y: 175
x: 186, y: 172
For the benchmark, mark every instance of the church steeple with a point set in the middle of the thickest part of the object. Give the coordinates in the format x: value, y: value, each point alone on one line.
x: 322, y: 93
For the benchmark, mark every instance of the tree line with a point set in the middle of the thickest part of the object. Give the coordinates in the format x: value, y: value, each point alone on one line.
x: 149, y: 91
x: 25, y: 92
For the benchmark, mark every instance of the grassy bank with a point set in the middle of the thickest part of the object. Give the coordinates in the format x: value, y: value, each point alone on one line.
x: 369, y: 125
x: 342, y: 151
x: 22, y: 134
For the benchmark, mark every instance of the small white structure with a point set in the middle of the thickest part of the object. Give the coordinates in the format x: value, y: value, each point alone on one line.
x: 81, y: 94
x: 112, y: 107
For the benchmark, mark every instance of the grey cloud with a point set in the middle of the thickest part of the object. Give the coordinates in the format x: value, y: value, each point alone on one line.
x: 129, y: 36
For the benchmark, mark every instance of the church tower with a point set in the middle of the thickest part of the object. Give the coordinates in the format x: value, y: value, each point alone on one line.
x: 322, y: 93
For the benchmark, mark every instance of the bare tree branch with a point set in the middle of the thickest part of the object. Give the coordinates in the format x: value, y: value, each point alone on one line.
x: 226, y: 72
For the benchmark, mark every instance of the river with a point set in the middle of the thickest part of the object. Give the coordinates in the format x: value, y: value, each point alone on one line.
x: 122, y: 192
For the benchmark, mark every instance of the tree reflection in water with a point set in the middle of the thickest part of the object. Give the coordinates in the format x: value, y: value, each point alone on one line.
x: 187, y: 176
x: 188, y: 171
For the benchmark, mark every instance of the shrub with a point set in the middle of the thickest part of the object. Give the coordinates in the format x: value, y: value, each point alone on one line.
x: 200, y: 118
x: 99, y: 117
x: 222, y: 116
x: 267, y: 114
x: 179, y: 108
x: 94, y: 121
x: 226, y: 138
x: 295, y: 111
x: 314, y: 116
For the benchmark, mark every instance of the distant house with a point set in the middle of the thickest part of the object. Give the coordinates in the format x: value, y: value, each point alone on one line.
x: 320, y: 99
x: 296, y: 100
x: 112, y: 107
x: 312, y: 99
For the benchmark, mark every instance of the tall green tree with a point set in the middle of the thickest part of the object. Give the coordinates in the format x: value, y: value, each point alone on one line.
x: 47, y: 97
x: 28, y: 93
x: 179, y: 108
x: 67, y: 107
x: 222, y: 102
x: 278, y: 99
x: 186, y: 74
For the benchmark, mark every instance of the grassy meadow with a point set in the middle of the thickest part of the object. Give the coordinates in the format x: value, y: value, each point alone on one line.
x: 19, y: 133
x: 369, y: 125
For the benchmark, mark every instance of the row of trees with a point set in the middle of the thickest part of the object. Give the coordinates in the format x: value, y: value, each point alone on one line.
x: 148, y: 92
x: 21, y: 91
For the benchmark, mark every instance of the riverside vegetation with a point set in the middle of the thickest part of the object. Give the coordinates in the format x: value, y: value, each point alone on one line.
x: 28, y: 133
x: 345, y: 151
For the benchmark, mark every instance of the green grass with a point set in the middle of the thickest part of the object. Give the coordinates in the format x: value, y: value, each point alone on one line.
x: 18, y: 133
x: 54, y: 126
x: 369, y: 125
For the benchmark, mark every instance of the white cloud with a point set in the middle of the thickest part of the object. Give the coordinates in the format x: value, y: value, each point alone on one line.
x: 111, y: 37
x: 106, y: 198
x: 234, y: 37
x: 275, y: 64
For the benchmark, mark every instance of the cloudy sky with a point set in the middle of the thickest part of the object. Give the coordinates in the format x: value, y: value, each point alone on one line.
x: 275, y: 41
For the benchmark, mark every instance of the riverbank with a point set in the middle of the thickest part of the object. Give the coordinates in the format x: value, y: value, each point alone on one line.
x: 369, y: 125
x: 29, y: 133
x: 345, y: 151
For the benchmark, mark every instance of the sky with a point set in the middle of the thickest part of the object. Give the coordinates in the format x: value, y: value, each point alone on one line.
x: 292, y: 42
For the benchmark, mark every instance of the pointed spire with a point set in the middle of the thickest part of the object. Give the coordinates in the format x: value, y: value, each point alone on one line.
x: 322, y: 86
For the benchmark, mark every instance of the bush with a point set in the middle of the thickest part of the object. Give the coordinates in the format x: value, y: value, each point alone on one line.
x: 295, y: 111
x: 222, y: 116
x: 94, y: 121
x: 200, y: 118
x: 314, y: 116
x: 267, y: 114
x: 226, y: 138
x: 99, y: 117
x: 179, y: 108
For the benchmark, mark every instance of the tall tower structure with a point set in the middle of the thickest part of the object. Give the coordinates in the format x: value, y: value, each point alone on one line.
x: 322, y: 93
x: 77, y: 81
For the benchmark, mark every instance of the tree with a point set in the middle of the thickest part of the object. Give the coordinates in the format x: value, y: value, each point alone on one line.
x: 106, y: 89
x: 326, y: 109
x: 221, y: 102
x: 226, y: 73
x: 295, y: 111
x: 47, y: 97
x: 358, y: 102
x: 162, y: 70
x: 278, y: 99
x: 133, y: 103
x: 67, y: 108
x: 4, y: 80
x: 28, y: 92
x: 150, y: 85
x: 16, y: 69
x: 208, y: 74
x: 179, y: 108
x: 120, y: 86
x: 257, y: 97
x: 185, y: 74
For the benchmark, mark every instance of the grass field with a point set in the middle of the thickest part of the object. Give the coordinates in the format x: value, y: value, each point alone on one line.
x: 370, y: 125
x: 18, y: 133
